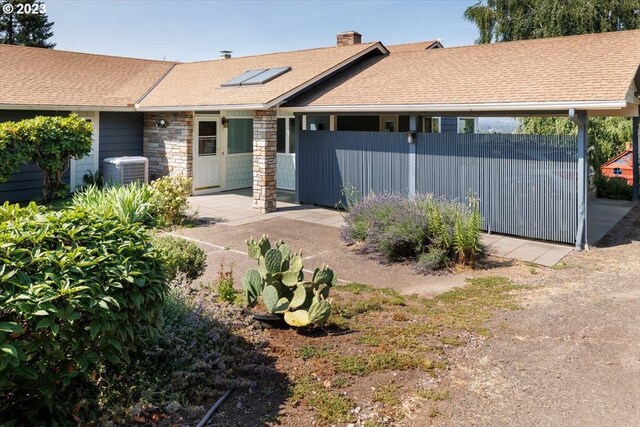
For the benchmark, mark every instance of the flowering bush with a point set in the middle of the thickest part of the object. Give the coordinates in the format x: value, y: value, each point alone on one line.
x: 435, y: 231
x: 170, y: 198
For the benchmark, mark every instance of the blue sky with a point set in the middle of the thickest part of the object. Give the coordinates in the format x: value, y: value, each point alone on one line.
x: 185, y: 30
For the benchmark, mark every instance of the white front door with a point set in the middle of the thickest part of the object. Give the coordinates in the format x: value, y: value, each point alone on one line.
x: 207, y: 154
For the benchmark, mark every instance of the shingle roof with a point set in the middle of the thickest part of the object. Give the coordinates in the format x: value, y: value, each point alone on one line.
x: 413, y: 47
x: 198, y: 84
x: 596, y: 67
x: 44, y: 77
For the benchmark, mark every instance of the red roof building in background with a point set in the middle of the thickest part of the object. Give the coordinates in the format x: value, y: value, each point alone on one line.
x: 620, y: 167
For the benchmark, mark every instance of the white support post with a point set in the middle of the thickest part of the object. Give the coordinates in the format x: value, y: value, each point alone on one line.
x: 411, y: 137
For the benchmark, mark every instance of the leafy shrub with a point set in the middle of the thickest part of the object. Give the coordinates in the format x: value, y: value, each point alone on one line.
x: 224, y: 283
x: 435, y: 259
x: 13, y: 149
x: 49, y: 142
x: 170, y: 197
x: 612, y: 188
x: 132, y: 203
x: 435, y: 231
x: 77, y: 289
x: 182, y: 258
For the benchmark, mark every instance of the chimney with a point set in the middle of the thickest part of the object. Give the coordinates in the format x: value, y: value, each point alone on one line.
x: 347, y: 38
x: 226, y: 54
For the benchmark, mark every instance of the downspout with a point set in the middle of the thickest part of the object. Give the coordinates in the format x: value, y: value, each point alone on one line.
x: 581, y: 119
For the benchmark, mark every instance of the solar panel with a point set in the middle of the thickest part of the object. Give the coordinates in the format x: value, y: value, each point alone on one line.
x: 256, y: 77
x: 236, y: 81
x: 265, y: 76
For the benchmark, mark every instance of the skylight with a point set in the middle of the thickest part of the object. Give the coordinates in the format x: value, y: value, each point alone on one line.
x: 256, y: 77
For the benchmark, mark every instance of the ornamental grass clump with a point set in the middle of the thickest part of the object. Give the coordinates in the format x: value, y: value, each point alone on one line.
x: 436, y: 233
x: 131, y: 204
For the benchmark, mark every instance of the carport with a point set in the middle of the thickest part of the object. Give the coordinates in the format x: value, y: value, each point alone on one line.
x: 532, y: 186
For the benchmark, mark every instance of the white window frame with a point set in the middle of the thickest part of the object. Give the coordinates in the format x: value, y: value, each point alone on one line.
x: 430, y: 119
x: 287, y: 134
x: 387, y: 119
x: 475, y: 123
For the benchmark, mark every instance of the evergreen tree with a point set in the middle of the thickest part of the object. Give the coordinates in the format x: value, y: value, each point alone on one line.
x: 27, y: 29
x: 509, y: 20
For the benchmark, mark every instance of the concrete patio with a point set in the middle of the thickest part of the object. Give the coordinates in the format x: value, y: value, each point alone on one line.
x: 234, y: 208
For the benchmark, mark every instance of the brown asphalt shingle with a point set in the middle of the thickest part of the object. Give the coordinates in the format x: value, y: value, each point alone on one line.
x: 596, y: 67
x: 198, y: 83
x: 36, y: 76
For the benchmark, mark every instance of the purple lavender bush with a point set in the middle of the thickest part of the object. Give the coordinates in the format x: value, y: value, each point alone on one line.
x: 435, y: 232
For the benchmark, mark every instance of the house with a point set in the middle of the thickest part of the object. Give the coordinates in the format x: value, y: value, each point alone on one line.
x: 621, y: 166
x: 390, y: 117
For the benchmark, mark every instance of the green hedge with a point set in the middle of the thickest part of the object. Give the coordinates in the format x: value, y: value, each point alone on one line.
x: 76, y: 289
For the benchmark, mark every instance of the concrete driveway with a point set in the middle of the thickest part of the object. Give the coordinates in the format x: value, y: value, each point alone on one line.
x: 320, y: 244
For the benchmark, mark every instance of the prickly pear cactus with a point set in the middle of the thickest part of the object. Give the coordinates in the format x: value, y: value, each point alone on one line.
x: 279, y: 280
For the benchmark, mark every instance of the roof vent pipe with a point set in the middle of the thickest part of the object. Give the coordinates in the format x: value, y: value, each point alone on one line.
x: 226, y: 54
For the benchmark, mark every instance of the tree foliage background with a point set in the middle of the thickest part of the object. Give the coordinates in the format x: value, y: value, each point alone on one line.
x: 509, y: 20
x: 27, y: 29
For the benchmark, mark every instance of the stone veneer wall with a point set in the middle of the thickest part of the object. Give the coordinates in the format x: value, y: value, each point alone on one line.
x: 170, y: 149
x: 264, y: 160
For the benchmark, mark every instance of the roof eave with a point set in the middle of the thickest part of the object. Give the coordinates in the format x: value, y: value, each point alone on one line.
x: 200, y: 107
x: 466, y: 108
x: 54, y: 107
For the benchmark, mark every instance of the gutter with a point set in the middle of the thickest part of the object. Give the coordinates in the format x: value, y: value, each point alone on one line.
x: 462, y: 108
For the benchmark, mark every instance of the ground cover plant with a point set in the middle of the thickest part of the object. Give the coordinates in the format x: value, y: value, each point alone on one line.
x: 434, y: 232
x: 381, y: 359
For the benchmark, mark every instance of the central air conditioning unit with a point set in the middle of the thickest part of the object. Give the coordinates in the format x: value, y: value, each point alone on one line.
x: 125, y: 170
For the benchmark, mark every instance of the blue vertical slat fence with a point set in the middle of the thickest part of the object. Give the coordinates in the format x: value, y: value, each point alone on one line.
x: 526, y: 184
x: 367, y: 161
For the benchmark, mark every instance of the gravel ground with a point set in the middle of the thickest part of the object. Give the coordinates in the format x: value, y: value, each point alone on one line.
x: 571, y: 357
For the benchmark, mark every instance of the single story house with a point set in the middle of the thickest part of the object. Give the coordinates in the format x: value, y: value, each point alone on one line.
x: 236, y: 122
x: 621, y: 167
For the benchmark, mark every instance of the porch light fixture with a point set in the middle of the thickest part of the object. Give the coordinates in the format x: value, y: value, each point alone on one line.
x: 224, y: 122
x: 411, y: 137
x: 162, y: 123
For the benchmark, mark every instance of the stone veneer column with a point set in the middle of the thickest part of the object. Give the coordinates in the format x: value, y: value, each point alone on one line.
x: 169, y: 149
x: 264, y: 160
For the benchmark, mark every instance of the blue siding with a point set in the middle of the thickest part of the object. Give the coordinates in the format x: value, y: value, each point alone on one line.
x: 449, y: 124
x: 120, y: 135
x: 26, y: 184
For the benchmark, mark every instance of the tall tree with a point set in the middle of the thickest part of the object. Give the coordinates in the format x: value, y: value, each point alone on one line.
x: 27, y: 29
x: 508, y: 20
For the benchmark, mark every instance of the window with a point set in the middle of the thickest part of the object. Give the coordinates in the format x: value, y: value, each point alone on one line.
x: 389, y: 124
x: 617, y: 171
x: 207, y: 139
x: 431, y: 125
x: 240, y: 136
x: 286, y: 139
x: 466, y: 125
x: 318, y: 122
x: 256, y: 77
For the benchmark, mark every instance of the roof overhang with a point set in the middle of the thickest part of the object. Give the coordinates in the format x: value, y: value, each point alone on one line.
x: 606, y: 108
x: 51, y: 107
x: 203, y: 107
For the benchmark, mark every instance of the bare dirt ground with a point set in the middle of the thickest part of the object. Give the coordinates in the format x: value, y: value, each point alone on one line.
x: 571, y: 357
